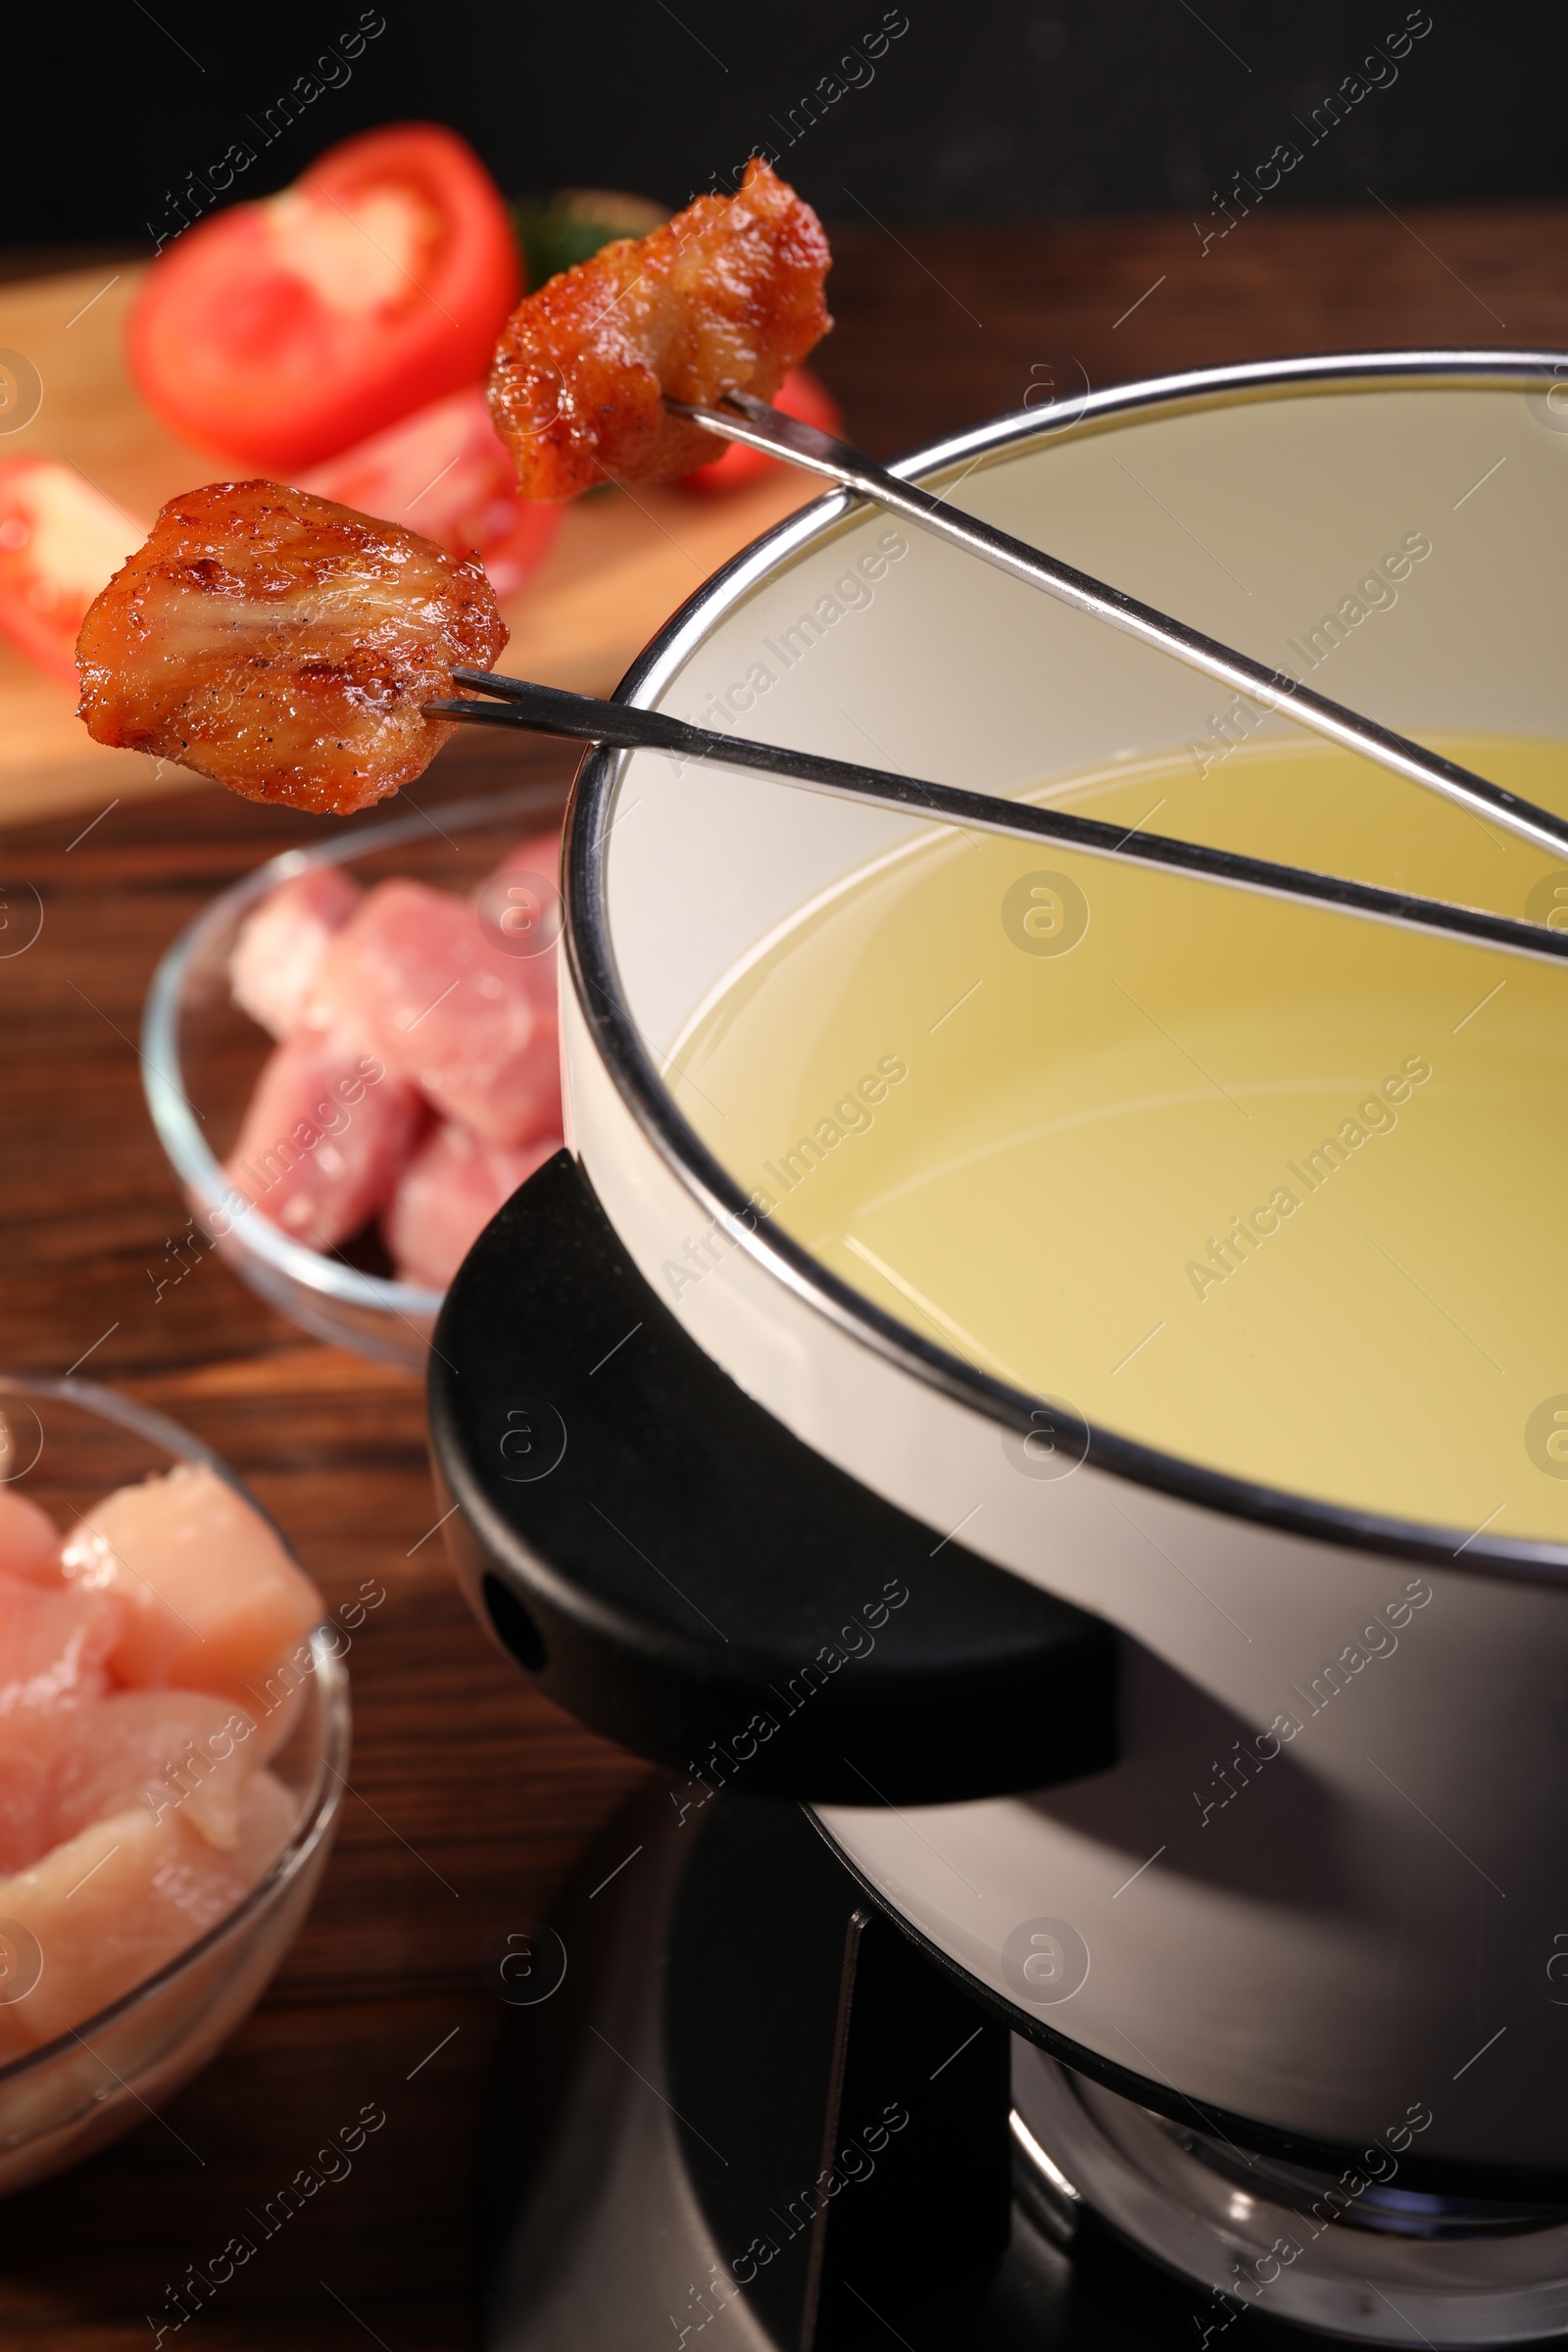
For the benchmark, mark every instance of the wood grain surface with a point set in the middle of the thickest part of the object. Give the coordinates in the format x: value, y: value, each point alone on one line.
x: 472, y: 1796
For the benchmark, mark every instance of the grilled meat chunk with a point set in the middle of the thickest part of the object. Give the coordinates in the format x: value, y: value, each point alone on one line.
x: 726, y: 297
x: 283, y: 645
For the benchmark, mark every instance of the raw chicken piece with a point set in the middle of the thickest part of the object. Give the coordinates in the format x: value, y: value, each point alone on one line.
x: 275, y: 957
x: 278, y: 1703
x: 172, y: 1751
x: 114, y: 1904
x: 29, y: 1541
x: 726, y: 297
x: 32, y: 1747
x: 212, y: 1601
x: 55, y: 1647
x: 472, y: 1027
x: 450, y: 1191
x: 284, y: 644
x: 56, y: 1644
x: 325, y: 1136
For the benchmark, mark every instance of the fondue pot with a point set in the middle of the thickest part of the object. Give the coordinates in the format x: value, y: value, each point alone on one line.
x: 1032, y: 1678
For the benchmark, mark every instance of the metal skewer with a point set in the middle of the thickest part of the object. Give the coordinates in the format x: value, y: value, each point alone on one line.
x: 758, y: 426
x: 548, y: 710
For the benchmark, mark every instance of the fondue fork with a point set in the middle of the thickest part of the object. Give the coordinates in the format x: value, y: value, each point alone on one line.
x: 622, y: 726
x: 756, y: 424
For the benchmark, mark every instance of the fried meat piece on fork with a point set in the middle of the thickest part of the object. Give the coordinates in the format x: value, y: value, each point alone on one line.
x: 283, y: 645
x: 726, y: 297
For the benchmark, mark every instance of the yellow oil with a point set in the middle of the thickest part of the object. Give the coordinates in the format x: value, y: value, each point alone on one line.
x: 1275, y: 1190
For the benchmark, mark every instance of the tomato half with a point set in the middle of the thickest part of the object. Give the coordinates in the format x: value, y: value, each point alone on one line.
x: 60, y: 541
x: 283, y: 331
x: 446, y: 473
x: 801, y: 395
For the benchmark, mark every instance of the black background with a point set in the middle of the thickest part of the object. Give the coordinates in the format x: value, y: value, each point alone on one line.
x: 1005, y: 109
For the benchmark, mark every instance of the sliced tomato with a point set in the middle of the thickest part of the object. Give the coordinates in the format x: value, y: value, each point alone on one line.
x: 801, y: 395
x: 60, y: 541
x: 283, y: 331
x: 446, y: 473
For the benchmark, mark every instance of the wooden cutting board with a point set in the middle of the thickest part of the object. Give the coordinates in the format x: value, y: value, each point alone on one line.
x: 621, y: 565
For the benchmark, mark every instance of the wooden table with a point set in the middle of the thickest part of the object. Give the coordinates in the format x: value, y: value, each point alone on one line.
x: 472, y: 1796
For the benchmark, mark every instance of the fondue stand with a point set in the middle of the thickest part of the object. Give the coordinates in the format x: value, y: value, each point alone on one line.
x: 1000, y: 2041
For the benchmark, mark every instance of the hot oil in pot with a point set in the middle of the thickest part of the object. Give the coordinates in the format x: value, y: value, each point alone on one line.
x: 1271, y: 1189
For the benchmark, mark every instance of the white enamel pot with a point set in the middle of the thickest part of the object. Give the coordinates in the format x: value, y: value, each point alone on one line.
x: 1348, y: 1934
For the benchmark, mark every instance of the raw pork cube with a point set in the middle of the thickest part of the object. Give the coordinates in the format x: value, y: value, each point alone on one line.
x: 280, y: 947
x: 539, y: 854
x: 446, y: 1009
x: 450, y: 1191
x: 509, y: 918
x: 114, y: 1904
x: 325, y: 1135
x: 54, y: 1666
x: 173, y: 1751
x: 212, y: 1599
x: 29, y: 1541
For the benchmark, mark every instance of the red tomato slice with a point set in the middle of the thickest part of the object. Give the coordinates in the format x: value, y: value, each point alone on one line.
x: 801, y: 395
x: 283, y: 331
x: 60, y: 541
x: 446, y: 473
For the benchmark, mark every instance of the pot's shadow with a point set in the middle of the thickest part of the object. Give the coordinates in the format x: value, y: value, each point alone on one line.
x: 1191, y: 1780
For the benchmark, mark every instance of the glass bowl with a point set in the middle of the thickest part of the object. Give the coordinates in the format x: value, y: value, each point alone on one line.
x: 201, y: 1056
x: 65, y: 1443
